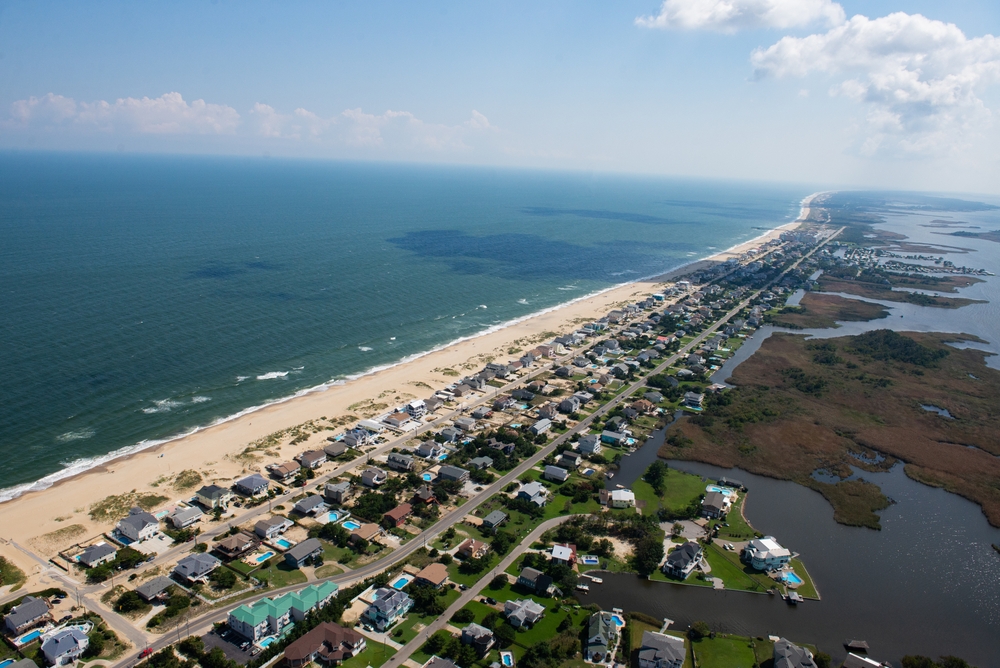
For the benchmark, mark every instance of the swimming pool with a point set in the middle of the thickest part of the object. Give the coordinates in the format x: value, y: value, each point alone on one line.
x: 427, y: 477
x: 724, y: 491
x: 351, y: 525
x: 266, y: 642
x: 332, y: 516
x: 515, y: 425
x: 588, y: 471
x: 283, y: 543
x: 507, y: 659
x: 443, y: 456
x: 791, y: 578
x: 590, y: 560
x: 264, y: 557
x: 618, y: 620
x: 401, y: 581
x: 6, y: 662
x: 28, y: 637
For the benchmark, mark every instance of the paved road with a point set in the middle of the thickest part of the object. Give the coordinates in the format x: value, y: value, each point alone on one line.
x: 468, y: 595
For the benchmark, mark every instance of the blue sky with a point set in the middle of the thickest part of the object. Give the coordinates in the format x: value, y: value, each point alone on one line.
x: 905, y: 95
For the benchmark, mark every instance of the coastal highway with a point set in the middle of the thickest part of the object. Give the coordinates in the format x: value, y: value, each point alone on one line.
x: 203, y: 623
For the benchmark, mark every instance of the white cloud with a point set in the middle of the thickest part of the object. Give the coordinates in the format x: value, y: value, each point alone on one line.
x: 299, y: 124
x: 167, y: 114
x: 729, y: 16
x: 919, y: 78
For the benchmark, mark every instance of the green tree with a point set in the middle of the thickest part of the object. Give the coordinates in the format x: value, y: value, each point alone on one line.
x: 699, y: 630
x: 223, y: 578
x: 463, y: 616
x: 165, y: 658
x: 505, y: 635
x: 95, y: 646
x: 656, y: 476
x: 130, y: 601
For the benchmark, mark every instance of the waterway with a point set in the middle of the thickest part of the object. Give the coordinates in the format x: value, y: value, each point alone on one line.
x: 927, y: 583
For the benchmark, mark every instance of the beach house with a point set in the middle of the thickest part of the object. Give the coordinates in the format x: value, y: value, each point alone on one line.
x: 622, y: 498
x: 683, y: 560
x: 602, y: 638
x: 555, y: 474
x: 541, y: 426
x: 213, y: 496
x: 589, y: 444
x: 397, y: 461
x: 569, y: 460
x: 253, y: 485
x: 388, y: 607
x: 328, y: 644
x: 284, y: 472
x: 95, y: 555
x: 481, y: 463
x: 373, y: 477
x: 523, y: 612
x: 235, y: 546
x: 564, y: 554
x: 613, y: 437
x: 789, y: 655
x: 434, y: 574
x: 715, y: 505
x: 311, y: 459
x: 368, y: 531
x: 765, y: 554
x: 658, y: 650
x: 430, y: 449
x: 307, y: 550
x: 185, y: 517
x: 338, y: 492
x: 138, y: 525
x: 31, y: 611
x: 453, y: 473
x: 472, y: 549
x: 65, y: 647
x: 534, y: 492
x: 494, y: 519
x: 535, y: 581
x: 334, y: 449
x: 416, y: 408
x: 196, y: 567
x: 268, y: 617
x: 397, y: 516
x: 154, y: 589
x: 479, y: 637
x: 272, y: 527
x: 312, y: 505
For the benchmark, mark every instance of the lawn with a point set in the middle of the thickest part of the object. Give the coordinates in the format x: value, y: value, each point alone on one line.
x: 280, y: 575
x: 404, y: 631
x: 470, y: 579
x: 680, y: 489
x: 546, y: 626
x: 480, y: 610
x: 738, y: 528
x: 807, y: 589
x: 724, y: 652
x: 734, y: 574
x: 693, y: 579
x: 375, y: 655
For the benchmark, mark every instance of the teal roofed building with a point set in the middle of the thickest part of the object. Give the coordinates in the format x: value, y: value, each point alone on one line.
x: 269, y: 617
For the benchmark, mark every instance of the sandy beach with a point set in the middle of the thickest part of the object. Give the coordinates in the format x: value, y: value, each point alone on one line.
x: 49, y: 520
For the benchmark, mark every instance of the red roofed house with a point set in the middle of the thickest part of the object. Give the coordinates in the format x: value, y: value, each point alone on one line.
x: 397, y: 516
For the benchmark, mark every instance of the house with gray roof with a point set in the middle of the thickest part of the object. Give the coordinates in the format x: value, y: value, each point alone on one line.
x: 153, y: 589
x: 534, y: 492
x: 481, y: 463
x: 65, y: 646
x: 480, y: 637
x: 253, y: 485
x: 196, y: 567
x: 311, y: 505
x: 389, y: 606
x: 555, y: 474
x: 213, y: 496
x: 602, y: 638
x: 397, y: 461
x: 31, y: 611
x: 683, y: 560
x: 494, y: 519
x: 338, y: 492
x: 789, y: 655
x: 139, y: 525
x: 270, y: 527
x: 308, y: 549
x: 453, y: 473
x: 523, y: 612
x: 95, y: 555
x: 658, y: 650
x: 590, y: 444
x: 373, y: 477
x: 185, y: 517
x: 335, y: 449
x: 541, y: 426
x: 430, y: 449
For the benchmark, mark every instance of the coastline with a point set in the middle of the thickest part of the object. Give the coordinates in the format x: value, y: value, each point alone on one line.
x: 62, y: 499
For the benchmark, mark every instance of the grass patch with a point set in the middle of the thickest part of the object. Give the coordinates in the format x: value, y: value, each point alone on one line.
x: 375, y: 655
x: 807, y: 589
x: 113, y: 508
x: 734, y: 574
x: 10, y: 574
x: 187, y: 480
x: 280, y: 575
x: 724, y: 651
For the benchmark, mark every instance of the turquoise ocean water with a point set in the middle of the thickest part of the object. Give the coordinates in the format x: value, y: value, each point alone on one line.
x: 143, y: 297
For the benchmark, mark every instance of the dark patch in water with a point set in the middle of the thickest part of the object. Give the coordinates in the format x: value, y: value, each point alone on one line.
x: 598, y: 214
x: 217, y: 271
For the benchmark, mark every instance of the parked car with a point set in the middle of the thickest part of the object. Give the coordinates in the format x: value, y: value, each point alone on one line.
x: 146, y: 652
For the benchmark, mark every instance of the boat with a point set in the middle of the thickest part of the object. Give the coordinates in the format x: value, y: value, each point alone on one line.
x: 610, y: 475
x: 583, y: 587
x: 595, y: 579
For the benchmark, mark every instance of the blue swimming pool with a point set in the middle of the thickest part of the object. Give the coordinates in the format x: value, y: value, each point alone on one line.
x: 725, y: 491
x: 351, y: 525
x: 401, y: 582
x: 443, y: 456
x: 427, y: 477
x: 619, y: 620
x: 792, y: 578
x: 28, y: 637
x: 264, y: 557
x: 6, y: 662
x: 507, y: 659
x: 332, y: 516
x: 283, y: 543
x: 266, y: 642
x: 590, y: 560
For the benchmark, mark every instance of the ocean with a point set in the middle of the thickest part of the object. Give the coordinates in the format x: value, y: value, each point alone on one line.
x: 145, y: 297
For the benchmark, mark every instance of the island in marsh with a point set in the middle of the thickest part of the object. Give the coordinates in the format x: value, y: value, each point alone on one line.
x: 822, y: 311
x: 801, y: 407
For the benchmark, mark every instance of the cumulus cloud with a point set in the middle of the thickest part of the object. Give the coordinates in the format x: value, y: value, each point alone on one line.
x: 167, y: 114
x: 920, y: 78
x: 729, y: 16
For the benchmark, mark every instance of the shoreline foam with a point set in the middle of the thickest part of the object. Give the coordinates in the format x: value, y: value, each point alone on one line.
x: 83, y: 465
